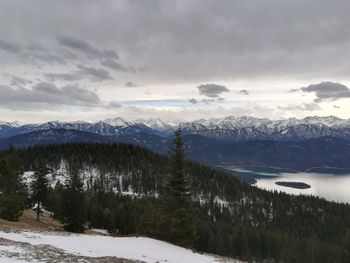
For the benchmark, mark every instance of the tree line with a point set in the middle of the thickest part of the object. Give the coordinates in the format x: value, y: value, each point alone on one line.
x: 172, y: 199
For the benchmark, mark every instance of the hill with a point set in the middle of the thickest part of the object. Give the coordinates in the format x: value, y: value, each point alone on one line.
x: 122, y: 183
x: 51, y: 136
x: 46, y: 241
x: 297, y: 155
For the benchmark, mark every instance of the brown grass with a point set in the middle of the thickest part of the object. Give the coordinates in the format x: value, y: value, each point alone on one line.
x: 28, y: 221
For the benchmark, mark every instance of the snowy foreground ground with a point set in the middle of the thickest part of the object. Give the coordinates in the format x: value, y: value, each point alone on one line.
x: 25, y: 246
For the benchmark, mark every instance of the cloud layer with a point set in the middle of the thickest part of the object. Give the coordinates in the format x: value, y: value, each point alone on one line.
x: 328, y: 91
x: 46, y: 95
x: 59, y: 54
x: 212, y: 90
x: 211, y: 39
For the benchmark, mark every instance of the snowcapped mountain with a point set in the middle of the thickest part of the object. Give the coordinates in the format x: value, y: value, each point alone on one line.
x: 157, y: 124
x: 250, y: 128
x: 231, y: 128
x: 118, y: 122
x: 10, y: 124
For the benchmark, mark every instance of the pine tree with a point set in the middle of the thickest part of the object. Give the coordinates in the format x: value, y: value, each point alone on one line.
x: 12, y: 192
x: 149, y: 222
x: 73, y: 207
x: 39, y: 186
x: 178, y: 219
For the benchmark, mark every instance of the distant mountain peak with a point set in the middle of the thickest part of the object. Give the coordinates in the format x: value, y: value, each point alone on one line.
x: 231, y: 128
x: 118, y: 121
x: 12, y: 123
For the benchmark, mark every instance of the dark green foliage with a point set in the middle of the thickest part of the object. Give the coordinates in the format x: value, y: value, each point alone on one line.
x: 150, y: 220
x: 73, y: 203
x: 39, y: 185
x: 233, y: 218
x: 12, y: 190
x: 178, y: 221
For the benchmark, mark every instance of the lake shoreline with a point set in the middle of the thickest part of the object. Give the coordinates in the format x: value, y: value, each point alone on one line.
x: 325, y: 182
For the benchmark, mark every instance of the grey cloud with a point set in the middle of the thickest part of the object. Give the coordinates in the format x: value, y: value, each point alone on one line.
x: 46, y: 95
x: 206, y: 101
x: 36, y: 54
x: 112, y: 64
x: 9, y: 47
x: 159, y: 36
x: 294, y: 90
x: 328, y: 91
x: 68, y: 50
x: 209, y: 101
x: 336, y: 107
x: 244, y: 92
x: 193, y: 101
x: 36, y: 47
x: 301, y: 107
x: 83, y: 46
x: 130, y: 84
x: 39, y: 58
x: 114, y: 104
x: 311, y: 107
x: 212, y: 90
x: 18, y: 81
x: 233, y: 40
x: 94, y: 73
x: 64, y: 76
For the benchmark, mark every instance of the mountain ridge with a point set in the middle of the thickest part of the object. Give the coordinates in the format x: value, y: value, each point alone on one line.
x: 230, y: 128
x: 298, y: 155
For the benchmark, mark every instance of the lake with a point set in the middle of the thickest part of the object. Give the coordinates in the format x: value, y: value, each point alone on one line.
x: 332, y: 184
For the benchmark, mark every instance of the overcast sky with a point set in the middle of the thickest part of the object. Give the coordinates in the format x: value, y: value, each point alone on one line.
x: 177, y: 60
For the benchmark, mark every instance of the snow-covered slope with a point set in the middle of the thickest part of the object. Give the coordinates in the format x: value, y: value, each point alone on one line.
x: 118, y: 122
x: 250, y: 128
x: 140, y: 249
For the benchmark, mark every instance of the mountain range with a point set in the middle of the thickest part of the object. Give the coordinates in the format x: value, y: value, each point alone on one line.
x: 230, y: 128
x: 292, y: 143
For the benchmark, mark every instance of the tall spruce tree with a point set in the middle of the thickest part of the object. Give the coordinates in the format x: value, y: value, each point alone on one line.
x: 73, y: 205
x: 39, y: 185
x: 179, y: 222
x: 12, y: 192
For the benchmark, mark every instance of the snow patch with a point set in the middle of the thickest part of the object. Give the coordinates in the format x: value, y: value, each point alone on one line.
x: 135, y: 248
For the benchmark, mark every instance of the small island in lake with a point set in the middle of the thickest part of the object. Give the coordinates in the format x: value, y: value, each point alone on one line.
x: 297, y: 185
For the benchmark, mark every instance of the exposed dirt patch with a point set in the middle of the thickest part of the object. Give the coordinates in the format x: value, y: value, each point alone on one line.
x: 93, y: 232
x: 28, y: 221
x: 45, y: 253
x: 26, y: 252
x: 42, y: 253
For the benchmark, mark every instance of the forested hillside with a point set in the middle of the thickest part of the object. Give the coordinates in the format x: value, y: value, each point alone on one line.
x: 295, y: 155
x: 121, y: 188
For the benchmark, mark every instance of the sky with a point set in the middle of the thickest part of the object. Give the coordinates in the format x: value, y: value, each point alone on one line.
x: 175, y: 60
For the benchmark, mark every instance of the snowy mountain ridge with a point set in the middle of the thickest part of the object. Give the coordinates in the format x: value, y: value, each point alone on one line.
x: 228, y: 128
